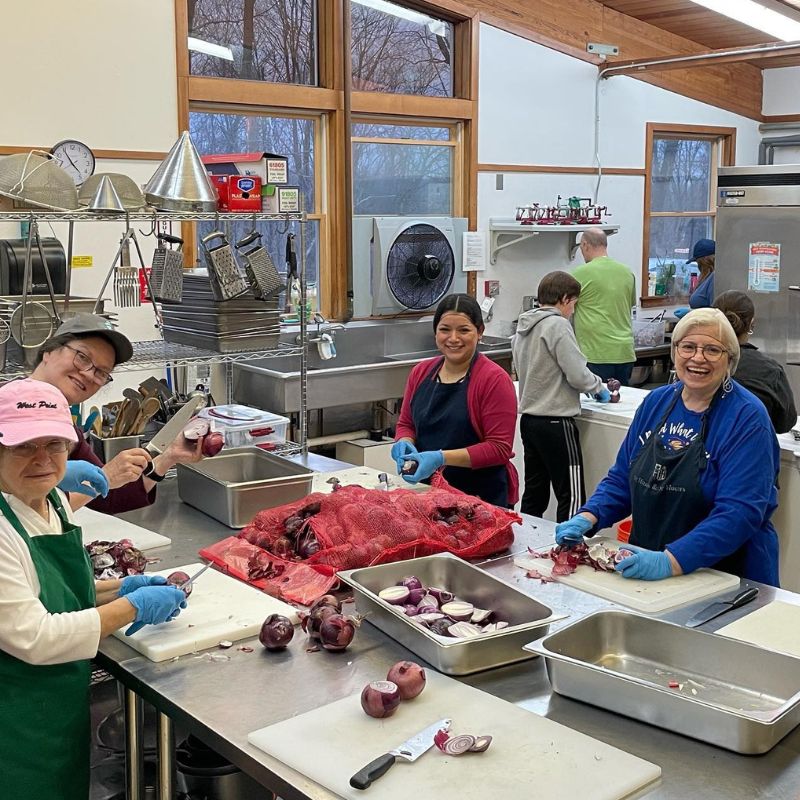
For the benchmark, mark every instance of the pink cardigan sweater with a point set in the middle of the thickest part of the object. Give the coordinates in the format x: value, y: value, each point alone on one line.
x: 492, y: 406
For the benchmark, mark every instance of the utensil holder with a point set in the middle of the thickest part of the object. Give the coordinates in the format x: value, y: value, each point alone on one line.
x: 106, y: 449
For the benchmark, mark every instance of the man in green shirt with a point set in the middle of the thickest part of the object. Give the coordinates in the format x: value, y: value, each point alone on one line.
x: 603, y: 312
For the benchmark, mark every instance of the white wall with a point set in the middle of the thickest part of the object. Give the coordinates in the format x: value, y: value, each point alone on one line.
x: 537, y: 107
x: 782, y: 96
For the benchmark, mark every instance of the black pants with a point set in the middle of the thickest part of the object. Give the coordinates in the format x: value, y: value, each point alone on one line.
x: 552, y: 456
x: 622, y: 372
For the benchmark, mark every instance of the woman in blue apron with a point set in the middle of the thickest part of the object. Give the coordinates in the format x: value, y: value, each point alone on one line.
x: 697, y: 469
x: 54, y: 613
x: 459, y: 411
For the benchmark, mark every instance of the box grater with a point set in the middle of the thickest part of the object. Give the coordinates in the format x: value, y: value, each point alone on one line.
x: 262, y: 275
x: 166, y: 276
x: 224, y: 274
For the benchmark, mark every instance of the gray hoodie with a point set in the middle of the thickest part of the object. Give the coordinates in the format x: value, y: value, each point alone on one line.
x: 550, y: 366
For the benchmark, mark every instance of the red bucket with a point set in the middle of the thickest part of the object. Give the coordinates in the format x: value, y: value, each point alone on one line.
x: 624, y: 530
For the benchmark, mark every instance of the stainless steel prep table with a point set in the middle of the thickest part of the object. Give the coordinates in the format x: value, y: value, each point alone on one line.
x: 223, y: 701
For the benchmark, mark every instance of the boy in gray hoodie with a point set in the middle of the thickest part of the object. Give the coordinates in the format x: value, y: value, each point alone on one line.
x: 552, y: 373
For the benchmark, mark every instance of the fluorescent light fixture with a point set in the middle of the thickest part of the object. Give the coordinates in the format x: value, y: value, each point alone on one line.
x: 210, y: 49
x: 780, y: 26
x: 396, y: 11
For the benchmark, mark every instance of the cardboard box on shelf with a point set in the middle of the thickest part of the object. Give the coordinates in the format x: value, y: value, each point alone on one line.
x: 271, y: 168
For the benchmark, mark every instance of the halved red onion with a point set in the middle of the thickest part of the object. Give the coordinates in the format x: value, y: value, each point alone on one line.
x: 463, y: 630
x: 458, y: 610
x: 481, y: 615
x: 410, y: 582
x: 442, y: 595
x: 415, y: 595
x: 396, y: 595
x: 428, y: 617
x: 380, y: 698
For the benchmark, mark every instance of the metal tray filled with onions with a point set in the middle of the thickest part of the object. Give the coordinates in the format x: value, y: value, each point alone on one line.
x: 454, y: 615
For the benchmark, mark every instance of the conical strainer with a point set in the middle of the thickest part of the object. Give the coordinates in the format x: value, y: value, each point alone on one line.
x: 35, y: 179
x: 129, y: 193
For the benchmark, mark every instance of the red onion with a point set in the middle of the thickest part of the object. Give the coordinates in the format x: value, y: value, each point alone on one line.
x: 415, y: 595
x: 276, y: 632
x: 282, y: 548
x: 326, y: 600
x: 442, y: 595
x: 411, y: 582
x: 212, y: 444
x: 380, y: 699
x: 307, y: 547
x: 481, y: 615
x: 463, y: 630
x: 313, y: 621
x: 457, y: 610
x: 441, y: 627
x: 336, y: 632
x: 457, y: 745
x: 195, y: 428
x: 409, y: 677
x: 177, y: 579
x: 396, y: 595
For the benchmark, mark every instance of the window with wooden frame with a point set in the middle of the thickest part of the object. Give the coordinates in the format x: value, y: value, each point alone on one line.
x: 679, y: 204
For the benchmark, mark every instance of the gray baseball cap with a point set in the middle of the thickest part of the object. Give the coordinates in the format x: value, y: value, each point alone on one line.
x: 82, y: 325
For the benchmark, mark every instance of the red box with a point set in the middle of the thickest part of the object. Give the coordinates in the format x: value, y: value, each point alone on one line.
x: 238, y: 192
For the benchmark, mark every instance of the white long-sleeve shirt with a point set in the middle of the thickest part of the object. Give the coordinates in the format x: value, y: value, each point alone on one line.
x: 28, y: 631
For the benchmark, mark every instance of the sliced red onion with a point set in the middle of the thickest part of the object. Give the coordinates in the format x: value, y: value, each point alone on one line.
x: 380, y: 698
x: 441, y: 626
x: 492, y: 627
x: 455, y: 745
x: 429, y: 600
x: 458, y: 610
x: 463, y: 630
x: 396, y: 595
x: 426, y: 609
x: 481, y: 744
x: 481, y: 615
x: 428, y: 617
x: 410, y: 611
x: 411, y: 582
x: 442, y: 595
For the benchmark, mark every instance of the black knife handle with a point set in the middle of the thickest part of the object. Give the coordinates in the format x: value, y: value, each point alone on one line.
x: 380, y: 766
x: 744, y: 597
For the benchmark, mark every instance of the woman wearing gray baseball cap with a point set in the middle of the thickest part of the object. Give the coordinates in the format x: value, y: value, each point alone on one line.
x: 79, y: 360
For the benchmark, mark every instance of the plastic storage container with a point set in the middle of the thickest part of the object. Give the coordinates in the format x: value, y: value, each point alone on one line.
x: 243, y: 426
x: 648, y: 333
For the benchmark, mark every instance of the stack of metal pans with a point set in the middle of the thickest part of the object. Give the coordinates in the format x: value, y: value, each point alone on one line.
x: 241, y: 324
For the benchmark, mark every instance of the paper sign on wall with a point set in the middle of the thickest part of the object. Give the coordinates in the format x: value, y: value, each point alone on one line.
x: 473, y: 257
x: 764, y: 267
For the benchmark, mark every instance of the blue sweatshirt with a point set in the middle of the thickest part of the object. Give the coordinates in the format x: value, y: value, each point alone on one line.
x: 738, y: 482
x: 703, y: 295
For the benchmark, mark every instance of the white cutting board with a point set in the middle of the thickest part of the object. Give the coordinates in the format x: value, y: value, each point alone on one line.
x: 775, y: 626
x: 95, y: 525
x: 220, y: 607
x: 530, y: 756
x: 649, y: 597
x: 361, y: 476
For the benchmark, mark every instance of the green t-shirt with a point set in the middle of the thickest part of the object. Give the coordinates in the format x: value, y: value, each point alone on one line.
x: 603, y: 312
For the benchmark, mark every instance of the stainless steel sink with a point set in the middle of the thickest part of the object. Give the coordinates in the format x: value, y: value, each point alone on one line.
x: 372, y: 363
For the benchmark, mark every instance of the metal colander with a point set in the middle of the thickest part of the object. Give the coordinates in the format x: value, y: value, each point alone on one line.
x: 35, y: 179
x: 128, y: 192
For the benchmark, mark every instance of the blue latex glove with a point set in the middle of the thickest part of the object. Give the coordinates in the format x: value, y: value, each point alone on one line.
x: 427, y: 463
x: 154, y: 605
x: 603, y: 396
x: 681, y: 312
x: 571, y: 532
x: 401, y: 451
x: 647, y: 565
x: 81, y: 473
x: 134, y: 582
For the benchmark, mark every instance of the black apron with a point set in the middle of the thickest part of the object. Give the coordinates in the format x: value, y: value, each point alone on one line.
x: 441, y: 420
x: 44, y: 710
x: 666, y: 499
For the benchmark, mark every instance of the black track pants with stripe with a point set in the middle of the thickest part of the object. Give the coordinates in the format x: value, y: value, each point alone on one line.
x: 552, y: 456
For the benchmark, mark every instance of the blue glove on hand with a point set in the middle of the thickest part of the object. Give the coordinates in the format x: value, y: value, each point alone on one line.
x: 603, y: 396
x: 134, y: 582
x: 401, y: 451
x: 427, y: 463
x: 647, y: 565
x: 681, y: 312
x: 81, y: 473
x: 154, y: 605
x: 571, y: 532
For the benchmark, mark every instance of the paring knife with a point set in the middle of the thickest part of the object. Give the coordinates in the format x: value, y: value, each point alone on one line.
x: 194, y: 577
x: 160, y: 441
x: 410, y: 751
x: 715, y: 609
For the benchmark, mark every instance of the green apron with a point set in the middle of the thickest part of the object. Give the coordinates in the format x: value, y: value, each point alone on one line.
x: 44, y: 710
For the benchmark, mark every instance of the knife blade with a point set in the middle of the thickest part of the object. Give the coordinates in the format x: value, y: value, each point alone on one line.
x: 175, y: 425
x: 410, y: 750
x: 715, y: 609
x: 190, y: 581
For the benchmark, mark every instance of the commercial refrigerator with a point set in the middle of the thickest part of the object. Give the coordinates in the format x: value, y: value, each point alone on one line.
x: 758, y: 252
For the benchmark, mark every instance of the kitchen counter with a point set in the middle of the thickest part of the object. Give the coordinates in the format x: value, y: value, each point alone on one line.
x: 223, y: 701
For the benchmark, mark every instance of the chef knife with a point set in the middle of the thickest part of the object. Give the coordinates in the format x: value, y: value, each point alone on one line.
x: 175, y: 425
x: 410, y: 751
x: 715, y: 609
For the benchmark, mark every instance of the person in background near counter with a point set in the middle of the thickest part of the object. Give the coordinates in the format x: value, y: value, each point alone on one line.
x: 697, y: 469
x: 603, y: 314
x: 552, y: 373
x: 759, y: 373
x: 460, y: 411
x: 79, y: 360
x: 54, y: 613
x: 703, y: 254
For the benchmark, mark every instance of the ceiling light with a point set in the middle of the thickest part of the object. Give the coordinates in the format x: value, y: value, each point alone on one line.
x: 757, y: 16
x: 210, y: 49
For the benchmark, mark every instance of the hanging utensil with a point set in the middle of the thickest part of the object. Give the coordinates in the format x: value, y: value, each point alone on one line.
x: 225, y: 276
x: 33, y: 232
x: 166, y: 275
x: 292, y: 278
x: 262, y: 275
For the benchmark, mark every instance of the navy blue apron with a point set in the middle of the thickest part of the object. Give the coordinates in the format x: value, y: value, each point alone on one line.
x: 441, y: 420
x: 666, y: 498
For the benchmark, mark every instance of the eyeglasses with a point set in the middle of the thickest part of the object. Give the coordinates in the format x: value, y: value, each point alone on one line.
x: 29, y: 449
x: 83, y: 363
x: 710, y: 352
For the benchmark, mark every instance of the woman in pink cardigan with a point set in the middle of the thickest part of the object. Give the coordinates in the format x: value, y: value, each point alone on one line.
x: 459, y: 411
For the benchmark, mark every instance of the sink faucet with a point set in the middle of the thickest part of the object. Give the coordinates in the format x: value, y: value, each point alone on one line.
x: 329, y: 327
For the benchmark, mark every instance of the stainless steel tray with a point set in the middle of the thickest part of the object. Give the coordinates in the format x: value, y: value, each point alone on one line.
x: 730, y: 694
x: 235, y: 485
x: 525, y: 615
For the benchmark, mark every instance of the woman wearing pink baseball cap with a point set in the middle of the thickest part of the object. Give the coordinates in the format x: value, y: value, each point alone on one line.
x: 53, y: 611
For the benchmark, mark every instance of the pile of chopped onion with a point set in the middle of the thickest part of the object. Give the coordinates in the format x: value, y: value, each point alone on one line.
x: 567, y: 559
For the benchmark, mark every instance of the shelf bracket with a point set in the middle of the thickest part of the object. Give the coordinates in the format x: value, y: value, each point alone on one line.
x: 496, y: 247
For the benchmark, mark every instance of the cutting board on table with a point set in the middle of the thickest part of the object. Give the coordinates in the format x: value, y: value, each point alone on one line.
x: 649, y: 597
x: 774, y: 626
x: 530, y: 756
x: 219, y: 608
x: 95, y: 525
